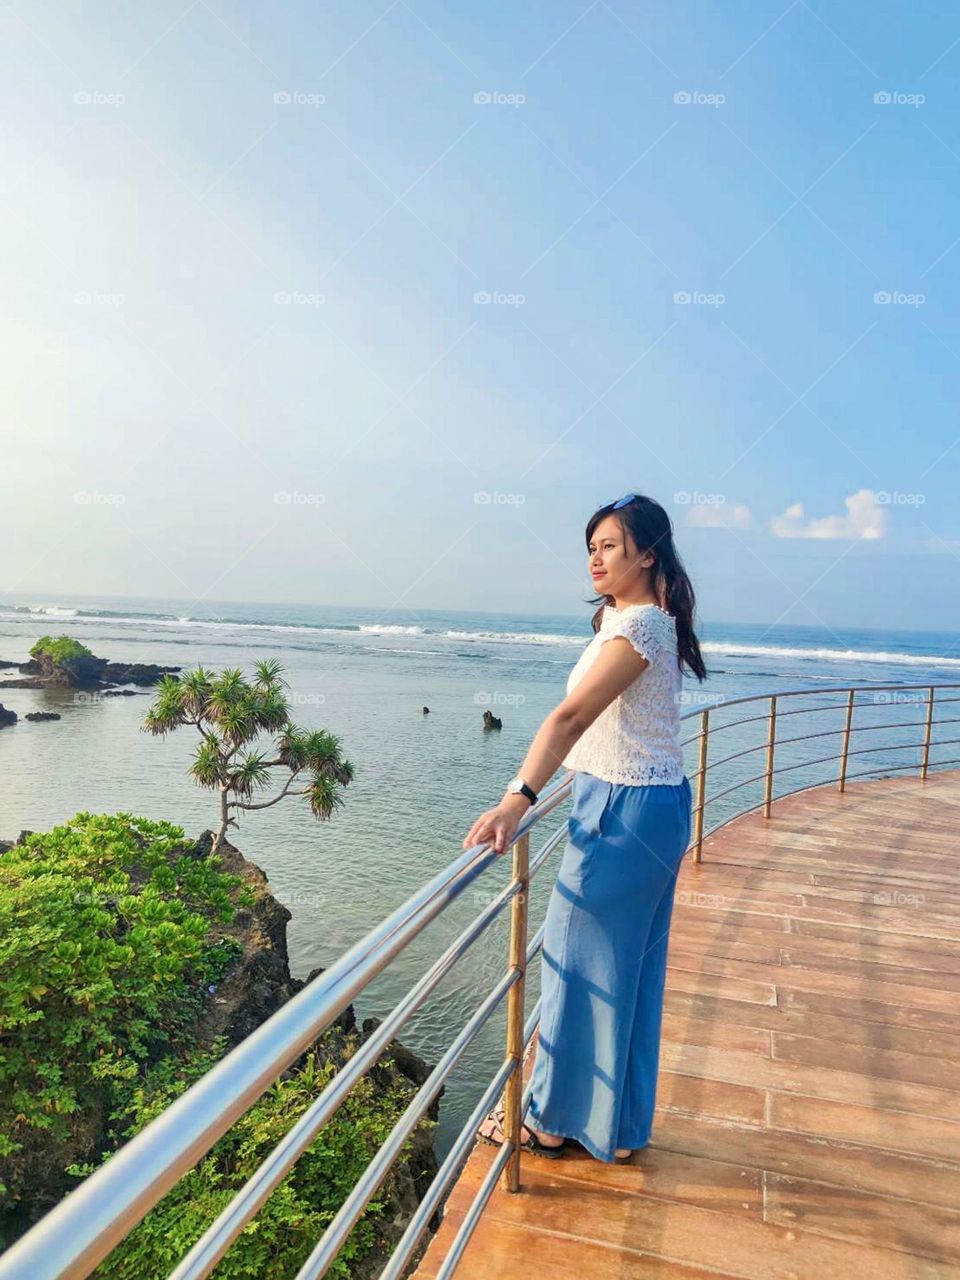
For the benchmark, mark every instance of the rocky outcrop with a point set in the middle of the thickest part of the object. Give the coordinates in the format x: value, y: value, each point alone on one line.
x: 7, y: 716
x: 84, y: 673
x: 42, y: 715
x: 81, y: 672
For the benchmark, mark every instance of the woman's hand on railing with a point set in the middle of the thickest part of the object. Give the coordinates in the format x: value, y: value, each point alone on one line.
x: 497, y: 826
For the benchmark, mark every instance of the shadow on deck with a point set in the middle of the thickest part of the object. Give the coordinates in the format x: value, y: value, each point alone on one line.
x: 808, y: 1108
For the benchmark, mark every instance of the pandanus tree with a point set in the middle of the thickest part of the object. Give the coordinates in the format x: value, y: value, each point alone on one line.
x: 232, y: 713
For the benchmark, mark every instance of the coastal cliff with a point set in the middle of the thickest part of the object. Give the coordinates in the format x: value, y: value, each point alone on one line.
x: 90, y: 1053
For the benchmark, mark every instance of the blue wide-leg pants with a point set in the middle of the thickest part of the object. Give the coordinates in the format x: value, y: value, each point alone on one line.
x: 604, y: 961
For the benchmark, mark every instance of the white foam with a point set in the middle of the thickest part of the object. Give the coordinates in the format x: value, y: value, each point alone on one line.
x: 830, y: 655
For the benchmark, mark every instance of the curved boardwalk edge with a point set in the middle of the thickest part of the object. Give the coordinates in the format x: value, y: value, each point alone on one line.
x: 808, y: 1110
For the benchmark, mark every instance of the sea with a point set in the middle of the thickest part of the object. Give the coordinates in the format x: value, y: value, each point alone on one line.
x: 405, y: 691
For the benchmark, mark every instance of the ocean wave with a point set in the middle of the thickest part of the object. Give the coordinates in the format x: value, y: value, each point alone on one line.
x: 132, y: 618
x: 50, y: 610
x: 825, y: 654
x: 516, y: 637
x: 389, y: 629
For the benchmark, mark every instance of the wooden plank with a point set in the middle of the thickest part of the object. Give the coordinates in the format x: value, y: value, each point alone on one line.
x: 919, y: 1230
x: 906, y: 1175
x: 867, y: 1125
x: 681, y: 1008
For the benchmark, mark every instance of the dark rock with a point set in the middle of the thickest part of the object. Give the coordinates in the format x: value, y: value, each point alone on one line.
x: 7, y: 716
x: 120, y: 693
x: 426, y: 711
x: 21, y: 839
x: 83, y: 672
x: 25, y: 682
x: 43, y: 715
x: 490, y: 721
x: 412, y: 1066
x: 141, y: 673
x: 4, y: 664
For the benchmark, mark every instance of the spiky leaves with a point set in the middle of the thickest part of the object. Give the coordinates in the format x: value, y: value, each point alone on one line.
x: 231, y: 714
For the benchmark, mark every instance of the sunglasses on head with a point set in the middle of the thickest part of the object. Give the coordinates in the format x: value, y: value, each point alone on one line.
x: 621, y: 503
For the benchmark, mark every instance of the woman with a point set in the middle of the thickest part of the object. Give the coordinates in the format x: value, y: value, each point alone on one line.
x: 603, y: 967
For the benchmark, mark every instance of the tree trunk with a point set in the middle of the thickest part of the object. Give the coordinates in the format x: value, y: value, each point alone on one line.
x: 222, y: 829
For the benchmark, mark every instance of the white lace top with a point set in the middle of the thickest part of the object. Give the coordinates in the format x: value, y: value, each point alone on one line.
x: 636, y: 739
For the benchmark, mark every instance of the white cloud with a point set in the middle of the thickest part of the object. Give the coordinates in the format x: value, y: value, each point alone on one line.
x: 864, y: 519
x: 704, y: 515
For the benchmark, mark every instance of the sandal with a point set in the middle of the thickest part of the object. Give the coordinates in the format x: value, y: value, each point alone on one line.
x: 531, y: 1143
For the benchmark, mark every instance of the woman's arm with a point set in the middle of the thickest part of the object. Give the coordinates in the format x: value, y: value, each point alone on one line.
x: 615, y: 667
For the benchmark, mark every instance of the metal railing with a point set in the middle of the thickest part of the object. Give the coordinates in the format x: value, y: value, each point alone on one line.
x: 88, y: 1224
x: 891, y: 695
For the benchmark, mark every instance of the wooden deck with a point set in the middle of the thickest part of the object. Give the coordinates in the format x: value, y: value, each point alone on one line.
x: 808, y: 1117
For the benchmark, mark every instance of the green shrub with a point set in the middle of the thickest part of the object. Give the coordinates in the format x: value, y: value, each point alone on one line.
x: 60, y: 649
x: 108, y: 937
x: 279, y: 1239
x: 111, y: 930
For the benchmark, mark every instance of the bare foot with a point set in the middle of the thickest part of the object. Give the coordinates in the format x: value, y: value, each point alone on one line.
x: 623, y: 1151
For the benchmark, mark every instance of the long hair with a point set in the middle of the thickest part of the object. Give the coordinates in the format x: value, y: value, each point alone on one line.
x: 650, y: 528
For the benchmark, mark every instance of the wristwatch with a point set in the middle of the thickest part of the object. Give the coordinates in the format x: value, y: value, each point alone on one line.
x: 518, y: 787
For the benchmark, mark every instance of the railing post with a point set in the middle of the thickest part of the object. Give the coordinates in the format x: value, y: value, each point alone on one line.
x: 513, y: 1094
x: 701, y: 786
x: 771, y: 744
x: 851, y: 695
x: 926, y: 737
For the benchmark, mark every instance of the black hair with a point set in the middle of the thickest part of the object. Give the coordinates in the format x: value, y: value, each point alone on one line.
x: 650, y: 529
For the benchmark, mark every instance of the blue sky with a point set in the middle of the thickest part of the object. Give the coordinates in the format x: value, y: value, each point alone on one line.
x: 374, y: 303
